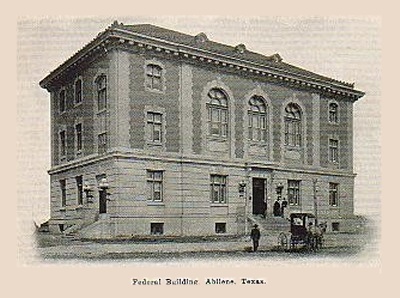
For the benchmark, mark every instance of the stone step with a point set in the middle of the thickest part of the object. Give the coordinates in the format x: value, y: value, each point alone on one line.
x: 271, y: 224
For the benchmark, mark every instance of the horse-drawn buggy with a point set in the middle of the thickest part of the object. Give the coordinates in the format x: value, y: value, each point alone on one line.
x: 304, y: 233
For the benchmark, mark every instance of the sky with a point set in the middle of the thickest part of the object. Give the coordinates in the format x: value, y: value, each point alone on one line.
x: 346, y: 48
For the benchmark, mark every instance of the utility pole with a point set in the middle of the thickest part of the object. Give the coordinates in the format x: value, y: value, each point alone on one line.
x: 243, y: 196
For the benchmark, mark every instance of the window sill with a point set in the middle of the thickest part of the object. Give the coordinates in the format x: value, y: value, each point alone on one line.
x: 155, y: 90
x: 102, y: 111
x: 77, y: 104
x: 219, y: 205
x: 63, y: 209
x: 217, y: 139
x: 258, y: 143
x: 151, y: 203
x: 154, y: 144
x: 293, y: 148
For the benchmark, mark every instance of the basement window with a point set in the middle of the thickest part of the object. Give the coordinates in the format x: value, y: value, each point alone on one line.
x: 335, y: 227
x: 157, y: 228
x: 220, y: 227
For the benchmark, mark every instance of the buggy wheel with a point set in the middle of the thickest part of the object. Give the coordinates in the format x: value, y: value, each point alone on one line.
x: 282, y: 241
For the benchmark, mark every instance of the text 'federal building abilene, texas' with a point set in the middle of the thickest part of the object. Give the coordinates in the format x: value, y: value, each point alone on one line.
x: 156, y: 132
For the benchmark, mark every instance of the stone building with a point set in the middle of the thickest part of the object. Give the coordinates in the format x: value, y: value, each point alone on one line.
x: 158, y: 132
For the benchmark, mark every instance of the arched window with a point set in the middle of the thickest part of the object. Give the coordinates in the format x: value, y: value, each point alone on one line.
x: 154, y: 77
x: 217, y: 107
x: 101, y: 84
x: 293, y: 136
x: 78, y: 91
x: 333, y: 112
x: 257, y: 119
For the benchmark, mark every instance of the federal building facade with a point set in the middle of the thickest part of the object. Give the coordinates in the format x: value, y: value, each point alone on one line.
x: 156, y: 132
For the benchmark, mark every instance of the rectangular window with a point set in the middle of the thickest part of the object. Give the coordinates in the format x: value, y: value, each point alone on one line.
x: 78, y: 91
x: 154, y: 122
x: 63, y: 189
x: 101, y: 83
x: 155, y: 186
x: 102, y: 142
x: 218, y: 189
x: 292, y: 133
x: 218, y: 121
x: 333, y: 113
x: 257, y: 127
x: 154, y: 77
x: 62, y: 101
x: 63, y: 143
x: 78, y: 136
x: 333, y: 194
x: 335, y: 227
x: 333, y: 150
x: 79, y: 189
x: 220, y: 227
x: 294, y: 192
x: 157, y: 228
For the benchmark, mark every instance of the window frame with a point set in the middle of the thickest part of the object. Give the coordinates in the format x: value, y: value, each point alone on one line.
x: 218, y: 107
x: 78, y: 97
x: 62, y: 137
x: 218, y: 185
x: 293, y: 126
x: 63, y: 190
x: 333, y: 150
x: 261, y: 114
x: 102, y: 142
x: 220, y: 228
x: 154, y: 76
x: 101, y: 92
x: 294, y: 192
x: 78, y: 138
x: 62, y: 101
x: 333, y: 114
x: 151, y: 182
x: 155, y: 227
x: 152, y: 123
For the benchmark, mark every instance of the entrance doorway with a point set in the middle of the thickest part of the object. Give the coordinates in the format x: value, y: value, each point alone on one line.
x: 102, y: 201
x: 259, y: 190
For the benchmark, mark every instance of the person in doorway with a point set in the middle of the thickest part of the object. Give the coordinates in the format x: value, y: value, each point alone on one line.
x: 255, y: 236
x: 277, y: 207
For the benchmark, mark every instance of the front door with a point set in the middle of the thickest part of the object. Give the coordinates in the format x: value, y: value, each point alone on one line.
x: 102, y: 201
x: 259, y: 204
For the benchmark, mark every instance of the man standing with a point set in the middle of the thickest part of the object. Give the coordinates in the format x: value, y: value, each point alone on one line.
x: 277, y: 207
x: 255, y: 235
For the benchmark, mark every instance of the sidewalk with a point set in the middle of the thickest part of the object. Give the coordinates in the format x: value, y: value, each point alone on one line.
x: 69, y: 249
x: 61, y: 248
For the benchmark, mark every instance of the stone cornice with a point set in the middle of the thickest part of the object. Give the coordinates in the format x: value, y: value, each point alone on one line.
x: 116, y: 36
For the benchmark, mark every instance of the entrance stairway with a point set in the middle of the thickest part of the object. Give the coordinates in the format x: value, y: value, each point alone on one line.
x: 272, y: 225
